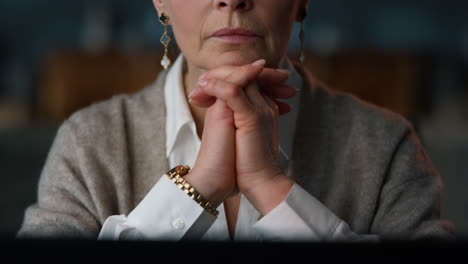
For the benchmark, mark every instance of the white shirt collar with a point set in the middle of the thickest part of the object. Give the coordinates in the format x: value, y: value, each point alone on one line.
x: 178, y: 112
x: 177, y: 109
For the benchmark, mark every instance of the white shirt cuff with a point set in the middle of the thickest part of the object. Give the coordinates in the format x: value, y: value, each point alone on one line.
x: 301, y: 217
x: 166, y: 213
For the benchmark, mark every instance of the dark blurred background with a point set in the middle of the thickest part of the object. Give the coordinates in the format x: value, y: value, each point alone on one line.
x: 57, y: 56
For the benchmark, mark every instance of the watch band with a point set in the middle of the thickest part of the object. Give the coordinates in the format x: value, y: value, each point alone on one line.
x: 176, y: 175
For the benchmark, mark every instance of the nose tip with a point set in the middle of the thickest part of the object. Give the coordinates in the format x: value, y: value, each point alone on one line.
x: 234, y: 4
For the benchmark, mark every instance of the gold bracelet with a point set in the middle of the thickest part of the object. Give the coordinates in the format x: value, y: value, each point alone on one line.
x: 176, y: 175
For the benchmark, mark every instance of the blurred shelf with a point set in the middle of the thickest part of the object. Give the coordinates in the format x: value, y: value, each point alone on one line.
x: 72, y: 80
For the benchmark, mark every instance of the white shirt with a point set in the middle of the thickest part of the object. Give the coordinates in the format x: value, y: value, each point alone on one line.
x: 167, y: 213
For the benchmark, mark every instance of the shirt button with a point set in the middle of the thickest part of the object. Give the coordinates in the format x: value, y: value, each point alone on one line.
x: 178, y: 224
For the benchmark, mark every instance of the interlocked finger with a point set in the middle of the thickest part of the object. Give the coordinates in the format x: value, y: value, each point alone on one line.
x: 255, y: 96
x: 272, y: 105
x: 233, y: 94
x: 278, y: 91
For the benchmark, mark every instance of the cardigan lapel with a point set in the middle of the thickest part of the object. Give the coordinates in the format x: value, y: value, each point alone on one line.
x: 147, y: 138
x: 307, y: 167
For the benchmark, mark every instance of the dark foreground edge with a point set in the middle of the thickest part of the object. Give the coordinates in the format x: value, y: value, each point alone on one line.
x: 67, y: 251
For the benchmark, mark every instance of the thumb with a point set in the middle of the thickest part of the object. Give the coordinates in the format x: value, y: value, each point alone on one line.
x: 218, y: 138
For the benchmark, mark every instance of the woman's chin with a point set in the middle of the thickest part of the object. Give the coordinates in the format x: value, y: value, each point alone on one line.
x: 235, y: 58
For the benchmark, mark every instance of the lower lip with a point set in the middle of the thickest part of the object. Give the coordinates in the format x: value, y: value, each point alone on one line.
x: 236, y: 38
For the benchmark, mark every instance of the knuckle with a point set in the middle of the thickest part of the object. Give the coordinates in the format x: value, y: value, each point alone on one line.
x: 274, y: 109
x: 214, y: 87
x: 273, y: 106
x: 242, y: 75
x: 232, y: 90
x: 256, y: 117
x: 210, y: 85
x: 245, y: 69
x: 268, y: 112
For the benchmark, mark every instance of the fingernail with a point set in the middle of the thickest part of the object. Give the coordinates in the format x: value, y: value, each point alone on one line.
x: 203, y: 76
x: 259, y: 62
x: 284, y: 71
x: 193, y: 92
x: 202, y: 82
x: 190, y: 100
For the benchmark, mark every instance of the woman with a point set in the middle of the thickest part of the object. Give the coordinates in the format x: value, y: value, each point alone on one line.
x: 330, y: 168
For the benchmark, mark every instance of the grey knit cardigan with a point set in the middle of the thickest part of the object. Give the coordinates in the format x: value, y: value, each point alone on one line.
x: 364, y: 163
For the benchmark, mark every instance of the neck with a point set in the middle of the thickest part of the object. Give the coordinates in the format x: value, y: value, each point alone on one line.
x: 191, y: 75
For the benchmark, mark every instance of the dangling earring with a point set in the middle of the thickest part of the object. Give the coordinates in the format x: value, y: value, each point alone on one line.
x: 165, y: 41
x: 302, y: 36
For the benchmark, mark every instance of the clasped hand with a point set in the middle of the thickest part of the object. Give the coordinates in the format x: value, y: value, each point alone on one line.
x: 239, y: 149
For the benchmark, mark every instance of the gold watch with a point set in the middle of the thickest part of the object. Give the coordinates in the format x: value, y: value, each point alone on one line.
x: 176, y: 175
